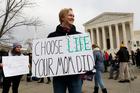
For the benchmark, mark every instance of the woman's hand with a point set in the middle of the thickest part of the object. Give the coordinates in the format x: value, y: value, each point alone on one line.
x: 1, y: 65
x: 29, y: 66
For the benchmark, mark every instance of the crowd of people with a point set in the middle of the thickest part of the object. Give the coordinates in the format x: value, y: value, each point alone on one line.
x: 122, y: 65
x: 119, y: 65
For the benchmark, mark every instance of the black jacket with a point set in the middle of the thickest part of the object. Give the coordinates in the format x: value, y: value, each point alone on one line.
x: 123, y: 54
x: 60, y: 31
x: 3, y: 53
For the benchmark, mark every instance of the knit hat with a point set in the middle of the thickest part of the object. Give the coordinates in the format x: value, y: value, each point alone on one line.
x: 16, y: 45
x: 122, y: 45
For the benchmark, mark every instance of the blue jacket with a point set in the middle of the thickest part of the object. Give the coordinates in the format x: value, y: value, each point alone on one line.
x: 99, y: 59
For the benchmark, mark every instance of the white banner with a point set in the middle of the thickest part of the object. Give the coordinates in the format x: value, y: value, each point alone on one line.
x: 15, y: 65
x: 65, y: 55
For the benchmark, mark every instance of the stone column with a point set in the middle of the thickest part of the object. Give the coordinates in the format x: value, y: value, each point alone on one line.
x: 111, y: 38
x: 124, y: 34
x: 92, y: 39
x: 97, y: 36
x: 104, y: 38
x: 132, y: 34
x: 117, y: 36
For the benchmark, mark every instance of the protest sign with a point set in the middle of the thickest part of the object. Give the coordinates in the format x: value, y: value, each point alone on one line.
x: 15, y: 65
x: 65, y: 55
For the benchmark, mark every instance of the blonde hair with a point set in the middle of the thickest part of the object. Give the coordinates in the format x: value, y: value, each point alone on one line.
x: 63, y: 13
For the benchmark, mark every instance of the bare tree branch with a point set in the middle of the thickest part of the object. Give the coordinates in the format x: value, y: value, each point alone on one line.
x: 12, y: 18
x: 2, y: 15
x: 5, y: 19
x: 13, y: 15
x: 32, y: 22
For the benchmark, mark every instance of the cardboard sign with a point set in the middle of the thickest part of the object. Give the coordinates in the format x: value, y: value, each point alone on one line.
x: 65, y: 55
x: 15, y: 65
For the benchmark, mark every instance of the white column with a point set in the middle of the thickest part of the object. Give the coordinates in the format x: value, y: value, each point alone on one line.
x: 97, y: 36
x: 92, y: 39
x: 117, y: 36
x: 132, y: 34
x: 111, y: 38
x: 104, y: 38
x: 124, y: 34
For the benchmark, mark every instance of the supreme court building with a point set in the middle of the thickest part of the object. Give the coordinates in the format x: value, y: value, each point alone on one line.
x: 110, y: 29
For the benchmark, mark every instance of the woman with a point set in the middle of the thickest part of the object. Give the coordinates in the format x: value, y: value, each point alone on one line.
x: 66, y: 27
x: 13, y: 80
x: 99, y: 65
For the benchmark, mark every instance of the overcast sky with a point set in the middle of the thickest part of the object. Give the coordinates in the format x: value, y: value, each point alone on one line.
x: 84, y: 10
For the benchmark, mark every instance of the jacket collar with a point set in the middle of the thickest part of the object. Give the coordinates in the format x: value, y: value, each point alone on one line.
x: 62, y: 30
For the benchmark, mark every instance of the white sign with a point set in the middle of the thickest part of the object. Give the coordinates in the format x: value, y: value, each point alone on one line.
x: 15, y: 65
x: 65, y: 55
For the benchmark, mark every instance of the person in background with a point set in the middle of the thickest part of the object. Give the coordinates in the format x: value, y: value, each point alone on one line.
x: 66, y: 27
x: 28, y: 78
x: 106, y: 61
x: 49, y: 80
x: 114, y: 69
x: 110, y: 58
x: 138, y: 58
x: 123, y: 56
x: 2, y: 53
x: 99, y: 66
x: 42, y: 80
x: 133, y: 57
x: 13, y: 80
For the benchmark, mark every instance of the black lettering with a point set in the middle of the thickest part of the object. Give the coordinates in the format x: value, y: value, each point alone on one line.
x: 52, y: 47
x: 59, y: 47
x: 84, y: 62
x: 50, y: 62
x: 70, y: 61
x: 59, y: 63
x: 36, y: 49
x: 35, y: 65
x: 79, y: 63
x: 40, y: 64
x: 65, y: 69
x: 90, y: 57
x: 42, y: 47
x: 45, y: 66
x: 48, y: 47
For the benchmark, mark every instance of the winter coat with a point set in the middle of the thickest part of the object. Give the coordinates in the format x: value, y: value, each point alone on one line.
x: 106, y: 56
x: 138, y: 58
x: 99, y: 59
x: 2, y: 53
x: 60, y: 31
x: 123, y: 54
